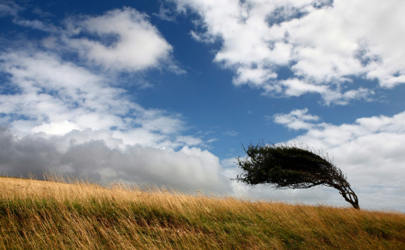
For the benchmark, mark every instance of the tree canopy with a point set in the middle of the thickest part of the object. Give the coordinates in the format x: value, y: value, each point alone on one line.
x: 284, y: 166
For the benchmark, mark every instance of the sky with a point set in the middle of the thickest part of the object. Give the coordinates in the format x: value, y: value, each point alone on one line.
x: 166, y: 92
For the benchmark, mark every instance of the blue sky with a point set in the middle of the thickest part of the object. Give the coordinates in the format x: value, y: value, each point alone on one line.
x: 165, y: 92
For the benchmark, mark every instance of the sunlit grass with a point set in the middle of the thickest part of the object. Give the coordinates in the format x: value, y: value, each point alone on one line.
x: 55, y: 215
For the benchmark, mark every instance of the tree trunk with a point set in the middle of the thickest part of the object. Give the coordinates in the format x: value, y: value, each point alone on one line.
x: 349, y: 195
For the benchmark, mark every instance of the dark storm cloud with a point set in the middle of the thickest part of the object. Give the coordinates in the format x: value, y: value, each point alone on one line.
x: 187, y: 169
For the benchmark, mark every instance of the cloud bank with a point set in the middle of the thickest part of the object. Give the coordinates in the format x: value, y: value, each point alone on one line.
x: 324, y: 43
x: 188, y: 169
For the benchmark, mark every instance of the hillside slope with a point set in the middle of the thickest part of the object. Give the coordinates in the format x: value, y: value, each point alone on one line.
x: 52, y: 215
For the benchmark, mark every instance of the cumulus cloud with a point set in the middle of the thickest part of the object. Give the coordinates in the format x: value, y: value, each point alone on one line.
x: 369, y: 151
x: 296, y: 119
x: 325, y: 44
x: 126, y: 40
x: 48, y: 89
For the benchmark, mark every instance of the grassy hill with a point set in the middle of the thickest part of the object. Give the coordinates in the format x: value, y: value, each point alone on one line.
x: 53, y: 215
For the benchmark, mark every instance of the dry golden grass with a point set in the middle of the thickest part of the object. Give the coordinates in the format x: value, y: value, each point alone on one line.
x: 53, y: 215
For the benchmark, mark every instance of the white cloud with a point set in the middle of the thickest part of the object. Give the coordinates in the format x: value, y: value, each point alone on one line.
x: 324, y: 43
x: 190, y: 140
x: 126, y: 40
x: 55, y: 128
x: 212, y: 140
x: 165, y: 13
x: 231, y: 133
x: 50, y: 90
x: 156, y: 120
x: 41, y: 13
x: 297, y: 87
x: 9, y: 8
x: 36, y: 24
x: 296, y: 119
x: 140, y: 136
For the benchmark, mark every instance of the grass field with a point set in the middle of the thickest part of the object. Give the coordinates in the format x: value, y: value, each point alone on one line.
x: 55, y: 215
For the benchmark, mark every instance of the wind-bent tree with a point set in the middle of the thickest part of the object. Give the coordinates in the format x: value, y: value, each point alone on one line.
x: 292, y: 167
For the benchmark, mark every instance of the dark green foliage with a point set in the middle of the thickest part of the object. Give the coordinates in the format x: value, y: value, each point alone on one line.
x: 292, y: 167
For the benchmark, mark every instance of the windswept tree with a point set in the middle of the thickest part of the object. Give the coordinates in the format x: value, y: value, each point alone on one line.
x: 292, y: 167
